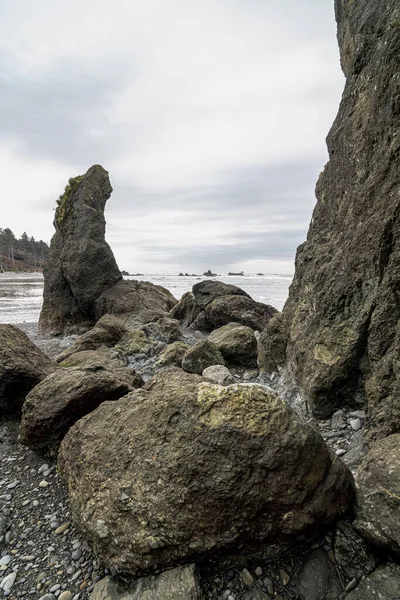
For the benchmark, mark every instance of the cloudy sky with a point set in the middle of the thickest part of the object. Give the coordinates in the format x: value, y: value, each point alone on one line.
x: 210, y: 116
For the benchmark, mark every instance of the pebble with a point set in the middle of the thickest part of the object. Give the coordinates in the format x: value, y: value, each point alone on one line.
x: 351, y: 585
x: 43, y: 468
x: 259, y: 572
x: 358, y: 414
x: 340, y: 451
x: 76, y: 575
x: 247, y: 577
x: 54, y: 588
x: 62, y: 528
x: 5, y: 560
x: 8, y: 581
x: 284, y: 577
x: 76, y: 554
x: 48, y: 597
x: 65, y: 596
x: 43, y: 483
x: 13, y: 485
x: 355, y: 424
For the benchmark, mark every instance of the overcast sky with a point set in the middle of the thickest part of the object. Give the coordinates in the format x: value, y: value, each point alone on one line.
x: 210, y: 116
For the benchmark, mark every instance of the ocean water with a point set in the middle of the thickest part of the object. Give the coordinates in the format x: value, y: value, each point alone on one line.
x: 21, y: 293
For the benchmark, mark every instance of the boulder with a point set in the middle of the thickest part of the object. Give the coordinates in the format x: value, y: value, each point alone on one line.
x: 107, y: 332
x: 342, y: 314
x: 134, y: 342
x: 173, y: 354
x: 206, y: 291
x: 218, y: 374
x: 239, y: 309
x: 186, y: 310
x: 382, y: 584
x: 182, y: 470
x: 22, y: 367
x: 164, y: 330
x: 272, y: 345
x: 180, y: 583
x: 378, y: 494
x: 354, y: 555
x: 236, y: 343
x: 143, y: 317
x: 202, y: 355
x: 317, y: 579
x: 60, y: 400
x: 103, y: 359
x: 130, y: 297
x: 81, y: 264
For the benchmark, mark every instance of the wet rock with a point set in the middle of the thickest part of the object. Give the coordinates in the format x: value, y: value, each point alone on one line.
x: 342, y: 313
x: 239, y: 309
x: 353, y: 554
x: 318, y: 578
x: 382, y: 584
x: 206, y: 291
x: 81, y: 264
x: 213, y: 466
x: 272, y: 345
x: 202, y: 355
x: 60, y: 400
x: 236, y: 343
x: 378, y: 487
x: 186, y: 310
x: 177, y: 584
x: 164, y: 330
x: 173, y: 354
x: 22, y: 367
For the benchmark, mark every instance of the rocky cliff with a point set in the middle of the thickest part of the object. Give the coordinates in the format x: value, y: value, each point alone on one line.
x: 343, y: 313
x: 81, y: 264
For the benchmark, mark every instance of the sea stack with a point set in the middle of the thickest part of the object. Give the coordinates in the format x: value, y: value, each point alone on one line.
x: 81, y: 264
x: 342, y: 317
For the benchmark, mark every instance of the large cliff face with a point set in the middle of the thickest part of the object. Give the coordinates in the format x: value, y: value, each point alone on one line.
x: 81, y: 264
x: 343, y: 311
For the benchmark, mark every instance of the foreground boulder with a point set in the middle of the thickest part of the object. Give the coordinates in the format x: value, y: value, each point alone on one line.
x: 197, y: 469
x: 239, y: 309
x: 236, y: 343
x: 22, y: 367
x: 60, y: 400
x: 378, y: 494
x: 176, y: 584
x: 81, y: 264
x: 342, y: 314
x: 382, y: 584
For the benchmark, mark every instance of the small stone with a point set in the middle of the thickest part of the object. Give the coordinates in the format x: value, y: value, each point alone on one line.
x: 358, y: 414
x: 8, y: 581
x: 65, y: 596
x: 351, y: 585
x: 76, y: 575
x: 83, y: 585
x: 48, y: 597
x: 340, y: 452
x: 258, y: 572
x: 270, y: 589
x: 35, y: 503
x: 5, y: 560
x: 54, y: 588
x: 247, y: 577
x: 43, y: 468
x: 332, y: 557
x: 76, y: 554
x: 43, y: 483
x: 355, y: 424
x: 284, y: 577
x: 13, y: 485
x: 62, y: 528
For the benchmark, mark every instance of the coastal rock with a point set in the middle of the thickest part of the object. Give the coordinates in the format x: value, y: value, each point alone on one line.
x: 342, y: 315
x: 176, y: 584
x: 197, y: 469
x: 236, y: 343
x: 81, y: 264
x: 143, y: 317
x: 202, y: 355
x: 173, y: 354
x: 318, y: 579
x: 163, y: 330
x: 272, y: 345
x: 353, y: 554
x: 382, y: 584
x: 378, y: 493
x: 22, y: 367
x: 239, y: 309
x: 131, y: 297
x: 107, y: 332
x: 134, y: 342
x: 218, y: 374
x: 60, y: 400
x: 186, y: 310
x: 206, y: 291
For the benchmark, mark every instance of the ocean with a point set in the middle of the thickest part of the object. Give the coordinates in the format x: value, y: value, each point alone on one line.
x: 21, y: 293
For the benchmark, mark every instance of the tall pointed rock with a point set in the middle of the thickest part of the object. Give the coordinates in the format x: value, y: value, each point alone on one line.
x: 343, y: 313
x: 81, y: 264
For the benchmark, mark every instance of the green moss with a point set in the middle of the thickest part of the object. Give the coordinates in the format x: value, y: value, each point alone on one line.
x: 70, y: 188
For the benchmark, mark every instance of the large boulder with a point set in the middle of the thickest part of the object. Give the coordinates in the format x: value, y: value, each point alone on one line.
x: 208, y: 290
x: 131, y: 297
x: 22, y: 367
x: 60, y: 400
x: 382, y: 584
x: 378, y: 494
x: 239, y: 309
x: 343, y: 314
x: 186, y: 310
x: 182, y: 470
x: 236, y: 343
x: 202, y: 355
x: 175, y: 584
x: 81, y: 264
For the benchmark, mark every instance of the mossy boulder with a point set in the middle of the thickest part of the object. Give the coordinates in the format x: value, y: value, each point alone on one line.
x: 173, y: 354
x: 202, y: 355
x: 134, y: 342
x: 183, y: 470
x: 272, y: 345
x: 239, y: 309
x: 236, y: 343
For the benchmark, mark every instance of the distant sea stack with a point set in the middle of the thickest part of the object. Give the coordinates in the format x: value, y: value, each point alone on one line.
x: 81, y: 264
x: 342, y: 317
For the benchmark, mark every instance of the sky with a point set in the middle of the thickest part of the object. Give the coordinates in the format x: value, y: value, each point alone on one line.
x: 210, y: 116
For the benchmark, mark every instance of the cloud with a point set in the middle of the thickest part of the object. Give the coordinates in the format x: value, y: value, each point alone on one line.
x: 210, y: 116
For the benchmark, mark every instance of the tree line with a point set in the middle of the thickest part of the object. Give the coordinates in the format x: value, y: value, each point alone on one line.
x: 25, y: 248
